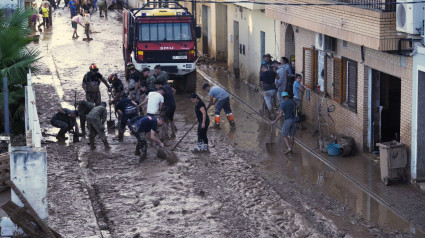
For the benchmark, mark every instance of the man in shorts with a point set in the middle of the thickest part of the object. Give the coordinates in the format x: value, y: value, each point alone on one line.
x: 78, y: 19
x: 287, y: 109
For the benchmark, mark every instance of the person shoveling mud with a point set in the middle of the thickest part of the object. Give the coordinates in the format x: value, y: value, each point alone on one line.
x: 144, y: 128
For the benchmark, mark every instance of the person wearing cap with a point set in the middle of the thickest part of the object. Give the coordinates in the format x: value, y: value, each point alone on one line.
x: 267, y: 81
x: 95, y: 122
x: 203, y: 123
x: 169, y: 108
x: 65, y: 119
x: 117, y: 88
x: 161, y: 75
x: 220, y: 98
x: 127, y: 109
x: 91, y: 83
x: 84, y: 109
x: 298, y: 89
x: 287, y: 109
x: 144, y: 128
x: 267, y: 61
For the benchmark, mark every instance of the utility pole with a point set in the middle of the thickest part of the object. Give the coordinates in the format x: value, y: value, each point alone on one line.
x: 6, y: 107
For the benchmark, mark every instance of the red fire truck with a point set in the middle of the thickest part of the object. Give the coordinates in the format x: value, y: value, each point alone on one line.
x: 164, y: 35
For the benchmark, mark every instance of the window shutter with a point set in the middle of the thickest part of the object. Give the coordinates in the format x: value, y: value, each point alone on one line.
x: 352, y: 85
x: 337, y: 80
x: 308, y: 69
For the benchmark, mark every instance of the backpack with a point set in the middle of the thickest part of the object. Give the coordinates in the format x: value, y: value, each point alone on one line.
x: 290, y: 86
x: 40, y: 11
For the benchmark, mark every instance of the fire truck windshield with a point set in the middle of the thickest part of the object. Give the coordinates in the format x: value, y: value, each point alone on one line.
x: 159, y: 32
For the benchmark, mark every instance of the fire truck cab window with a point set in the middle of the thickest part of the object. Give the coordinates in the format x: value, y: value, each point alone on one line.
x: 165, y: 32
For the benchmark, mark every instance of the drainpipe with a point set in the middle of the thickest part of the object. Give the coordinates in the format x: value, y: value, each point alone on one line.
x: 6, y: 107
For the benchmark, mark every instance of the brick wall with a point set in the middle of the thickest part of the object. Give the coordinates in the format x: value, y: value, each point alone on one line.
x: 373, y: 29
x: 347, y: 122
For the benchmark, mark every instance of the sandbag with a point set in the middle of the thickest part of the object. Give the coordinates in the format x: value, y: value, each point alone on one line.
x: 168, y: 155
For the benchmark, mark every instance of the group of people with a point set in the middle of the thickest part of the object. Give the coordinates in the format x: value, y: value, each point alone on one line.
x: 147, y: 104
x: 278, y: 79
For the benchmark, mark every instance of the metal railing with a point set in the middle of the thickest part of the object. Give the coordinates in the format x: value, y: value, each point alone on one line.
x: 32, y: 124
x: 383, y: 5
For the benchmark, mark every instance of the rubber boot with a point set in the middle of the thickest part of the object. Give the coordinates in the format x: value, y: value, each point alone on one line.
x: 217, y: 121
x: 120, y: 135
x: 231, y: 119
x: 91, y: 138
x: 106, y: 144
x: 75, y: 138
x: 137, y: 152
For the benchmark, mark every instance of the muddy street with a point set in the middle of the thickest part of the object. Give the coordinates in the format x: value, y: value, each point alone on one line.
x: 237, y: 190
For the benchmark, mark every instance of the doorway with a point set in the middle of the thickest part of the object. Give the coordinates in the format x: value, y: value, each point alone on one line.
x: 420, y: 136
x: 386, y: 106
x: 290, y: 43
x: 236, y: 48
x: 206, y: 23
x: 221, y: 36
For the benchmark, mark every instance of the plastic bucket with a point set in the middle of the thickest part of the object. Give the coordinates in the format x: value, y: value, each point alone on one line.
x: 334, y: 149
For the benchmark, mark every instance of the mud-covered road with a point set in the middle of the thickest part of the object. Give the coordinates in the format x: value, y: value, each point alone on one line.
x: 230, y: 192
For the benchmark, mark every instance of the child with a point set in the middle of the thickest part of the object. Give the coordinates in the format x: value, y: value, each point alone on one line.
x: 204, y: 122
x: 87, y: 25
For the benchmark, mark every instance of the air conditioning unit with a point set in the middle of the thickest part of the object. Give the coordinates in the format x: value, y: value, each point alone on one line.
x: 410, y: 15
x: 324, y: 42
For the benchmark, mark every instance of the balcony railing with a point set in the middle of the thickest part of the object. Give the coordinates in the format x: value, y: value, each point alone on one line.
x: 383, y: 5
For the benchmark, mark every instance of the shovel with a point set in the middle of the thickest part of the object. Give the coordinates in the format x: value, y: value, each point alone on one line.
x: 271, y: 146
x: 111, y: 123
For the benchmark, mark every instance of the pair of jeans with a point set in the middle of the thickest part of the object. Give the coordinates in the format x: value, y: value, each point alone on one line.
x: 268, y: 98
x: 223, y: 104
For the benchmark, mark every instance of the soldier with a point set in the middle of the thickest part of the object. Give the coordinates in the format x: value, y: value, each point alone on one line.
x: 126, y: 109
x: 161, y: 75
x: 91, y: 82
x: 83, y: 109
x: 117, y: 88
x: 65, y: 120
x: 144, y: 128
x: 150, y: 79
x: 95, y: 121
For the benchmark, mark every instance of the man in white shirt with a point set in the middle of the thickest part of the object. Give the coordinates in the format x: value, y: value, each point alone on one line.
x: 155, y: 101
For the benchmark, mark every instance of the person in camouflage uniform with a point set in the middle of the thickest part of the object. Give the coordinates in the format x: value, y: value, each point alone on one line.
x: 83, y: 109
x: 95, y: 122
x: 150, y: 79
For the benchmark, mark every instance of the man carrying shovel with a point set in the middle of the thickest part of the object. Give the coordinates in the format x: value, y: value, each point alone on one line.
x: 144, y: 128
x: 287, y: 109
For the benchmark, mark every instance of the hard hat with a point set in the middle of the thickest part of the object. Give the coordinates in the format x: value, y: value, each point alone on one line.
x: 130, y: 66
x: 112, y: 77
x: 93, y: 67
